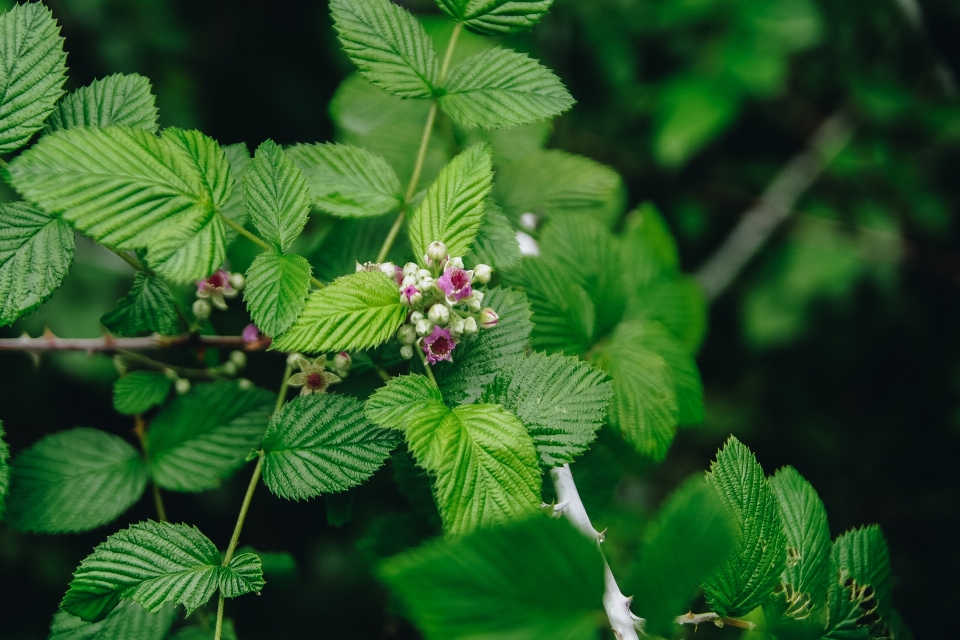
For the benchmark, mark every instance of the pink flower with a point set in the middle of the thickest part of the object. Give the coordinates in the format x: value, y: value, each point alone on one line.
x: 438, y: 345
x: 411, y: 296
x: 455, y: 282
x: 251, y: 333
x: 215, y: 287
x: 398, y: 275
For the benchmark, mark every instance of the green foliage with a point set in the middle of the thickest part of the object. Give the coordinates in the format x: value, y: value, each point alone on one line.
x: 533, y: 579
x: 357, y: 311
x: 347, y: 181
x: 34, y: 69
x: 74, y: 480
x: 453, y: 208
x: 117, y: 99
x: 678, y: 303
x: 4, y: 471
x: 649, y: 246
x: 388, y: 45
x: 562, y: 402
x: 750, y: 575
x: 139, y: 391
x: 36, y: 251
x: 691, y: 536
x: 202, y: 437
x: 149, y: 307
x: 152, y: 563
x: 496, y: 17
x: 197, y: 632
x: 355, y: 240
x: 276, y: 291
x: 322, y: 444
x: 693, y: 111
x: 128, y: 620
x: 860, y: 586
x: 276, y: 196
x: 496, y: 242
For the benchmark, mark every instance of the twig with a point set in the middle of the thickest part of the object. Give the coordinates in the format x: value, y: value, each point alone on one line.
x: 715, y: 618
x: 109, y: 344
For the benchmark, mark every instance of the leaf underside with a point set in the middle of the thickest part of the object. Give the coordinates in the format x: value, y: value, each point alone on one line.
x: 496, y: 17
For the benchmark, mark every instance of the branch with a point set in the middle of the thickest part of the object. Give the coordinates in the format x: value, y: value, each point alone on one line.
x: 50, y: 342
x: 715, y: 618
x: 622, y: 620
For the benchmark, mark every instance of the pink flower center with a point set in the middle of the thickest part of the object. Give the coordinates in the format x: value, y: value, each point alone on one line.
x: 217, y: 280
x: 442, y: 346
x: 459, y: 279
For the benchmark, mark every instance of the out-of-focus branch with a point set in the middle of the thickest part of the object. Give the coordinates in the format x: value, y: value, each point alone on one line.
x: 50, y: 342
x: 715, y: 618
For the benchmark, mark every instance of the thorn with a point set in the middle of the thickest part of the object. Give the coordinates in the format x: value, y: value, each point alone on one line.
x: 558, y: 508
x: 629, y: 601
x: 601, y: 535
x: 25, y: 336
x: 48, y: 334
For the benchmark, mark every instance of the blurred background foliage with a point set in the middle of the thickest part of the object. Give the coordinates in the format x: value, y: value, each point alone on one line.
x: 836, y: 351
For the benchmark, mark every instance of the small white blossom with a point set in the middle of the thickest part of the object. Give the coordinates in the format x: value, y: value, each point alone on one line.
x: 406, y: 352
x: 436, y: 252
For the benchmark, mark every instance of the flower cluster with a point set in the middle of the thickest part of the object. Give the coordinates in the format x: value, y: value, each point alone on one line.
x: 317, y: 375
x: 216, y: 289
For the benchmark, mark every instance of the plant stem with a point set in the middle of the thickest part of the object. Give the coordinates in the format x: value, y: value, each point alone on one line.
x: 426, y: 365
x: 386, y: 377
x: 448, y: 54
x: 140, y: 430
x: 260, y: 243
x: 110, y: 344
x: 219, y: 628
x: 183, y: 372
x: 130, y: 260
x: 715, y: 618
x: 158, y: 501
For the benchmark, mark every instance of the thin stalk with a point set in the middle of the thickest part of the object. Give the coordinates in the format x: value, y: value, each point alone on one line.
x: 183, y: 372
x: 386, y: 377
x: 718, y: 620
x: 219, y: 629
x: 158, y: 501
x: 130, y: 260
x: 260, y: 243
x: 426, y: 365
x: 140, y: 430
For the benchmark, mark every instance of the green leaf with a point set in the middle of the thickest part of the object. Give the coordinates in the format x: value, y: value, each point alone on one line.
x: 238, y: 157
x: 348, y: 181
x: 128, y: 620
x: 149, y: 307
x: 388, y: 45
x: 198, y: 632
x: 139, y: 391
x: 508, y: 144
x: 243, y: 575
x: 357, y: 311
x: 276, y: 196
x: 74, y: 480
x: 276, y: 291
x: 353, y: 241
x: 496, y: 17
x: 691, y: 536
x: 129, y: 189
x: 150, y: 563
x: 502, y: 88
x: 555, y: 183
x: 204, y: 436
x: 561, y: 400
x: 860, y: 586
x: 4, y: 471
x: 478, y: 359
x: 649, y: 250
x: 322, y: 444
x: 677, y: 302
x: 535, y: 579
x: 496, y: 242
x: 748, y: 576
x: 453, y: 208
x: 36, y: 251
x: 34, y: 64
x: 691, y: 112
x: 117, y: 99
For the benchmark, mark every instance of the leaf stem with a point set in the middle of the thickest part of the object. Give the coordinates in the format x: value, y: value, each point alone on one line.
x: 260, y: 243
x: 158, y: 501
x: 183, y: 372
x: 448, y: 54
x: 110, y: 344
x: 426, y: 366
x: 700, y: 618
x: 130, y: 260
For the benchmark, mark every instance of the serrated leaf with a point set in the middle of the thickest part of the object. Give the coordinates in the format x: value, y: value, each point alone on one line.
x: 677, y: 302
x: 691, y: 536
x: 204, y: 436
x: 238, y: 157
x: 478, y: 359
x: 117, y: 99
x: 276, y: 196
x: 542, y: 578
x: 502, y: 88
x: 496, y: 17
x: 129, y: 189
x: 496, y: 242
x: 748, y: 576
x: 357, y: 311
x: 347, y: 181
x: 243, y: 575
x: 860, y: 586
x: 4, y: 471
x: 150, y: 563
x: 322, y: 444
x: 148, y: 307
x: 388, y: 45
x: 128, y: 620
x: 139, y: 391
x: 36, y: 250
x: 508, y: 144
x: 453, y: 208
x: 562, y: 402
x: 276, y: 291
x: 34, y: 68
x: 649, y: 249
x: 74, y: 480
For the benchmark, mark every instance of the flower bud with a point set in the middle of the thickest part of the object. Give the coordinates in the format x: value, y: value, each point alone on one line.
x: 436, y: 252
x: 182, y: 385
x: 388, y: 268
x: 424, y: 327
x: 237, y: 281
x: 439, y: 314
x: 406, y: 352
x: 488, y: 318
x: 342, y: 361
x: 470, y: 325
x: 474, y: 300
x: 293, y: 360
x: 409, y: 281
x: 416, y: 317
x: 411, y: 269
x: 407, y: 334
x: 424, y: 273
x: 456, y: 263
x: 411, y: 296
x: 201, y: 309
x: 457, y: 327
x: 427, y: 284
x: 482, y: 273
x: 529, y: 221
x: 239, y: 358
x: 244, y: 384
x: 229, y: 368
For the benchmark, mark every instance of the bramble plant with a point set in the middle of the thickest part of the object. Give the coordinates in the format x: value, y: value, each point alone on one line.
x: 497, y: 368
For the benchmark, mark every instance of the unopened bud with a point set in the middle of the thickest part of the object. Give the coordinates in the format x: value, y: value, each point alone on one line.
x: 470, y: 325
x: 457, y: 327
x: 182, y: 385
x: 488, y: 318
x: 529, y: 221
x: 474, y: 300
x: 411, y: 269
x: 237, y: 281
x: 406, y: 352
x: 424, y: 327
x: 244, y: 384
x: 294, y: 359
x: 457, y: 263
x: 482, y: 273
x: 201, y: 309
x: 424, y: 273
x: 407, y: 334
x: 342, y: 361
x: 388, y: 268
x: 411, y: 296
x: 416, y: 317
x: 436, y: 252
x: 229, y: 369
x: 427, y: 284
x: 239, y: 358
x: 409, y: 281
x: 439, y: 314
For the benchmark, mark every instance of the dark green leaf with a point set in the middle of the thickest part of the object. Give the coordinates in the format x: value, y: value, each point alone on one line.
x: 243, y: 575
x: 860, y: 586
x: 677, y: 302
x: 649, y: 250
x: 139, y: 391
x: 149, y: 307
x: 129, y: 620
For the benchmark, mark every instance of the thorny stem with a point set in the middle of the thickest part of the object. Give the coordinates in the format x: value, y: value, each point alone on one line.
x: 715, y: 618
x: 183, y: 372
x: 260, y: 243
x: 110, y: 344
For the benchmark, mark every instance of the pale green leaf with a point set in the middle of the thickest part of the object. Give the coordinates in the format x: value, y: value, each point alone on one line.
x: 36, y: 250
x: 357, y: 311
x: 238, y: 157
x: 129, y: 620
x: 496, y: 17
x: 860, y: 587
x: 502, y: 88
x: 533, y: 580
x: 150, y: 563
x: 496, y: 242
x: 34, y: 68
x: 347, y: 181
x: 74, y: 480
x: 678, y: 303
x: 322, y: 444
x: 561, y: 400
x: 243, y: 575
x: 388, y: 45
x: 453, y: 208
x: 140, y: 391
x: 116, y: 99
x: 749, y: 575
x: 390, y: 404
x: 204, y: 436
x: 4, y: 471
x: 149, y: 307
x: 276, y: 291
x: 276, y: 195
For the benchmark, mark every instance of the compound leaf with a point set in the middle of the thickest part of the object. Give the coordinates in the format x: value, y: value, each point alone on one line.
x: 542, y: 578
x: 148, y: 307
x: 860, y: 586
x: 36, y: 250
x: 276, y: 195
x: 116, y: 99
x: 139, y: 391
x: 128, y: 620
x: 322, y: 444
x: 202, y: 437
x: 357, y: 311
x: 74, y: 480
x: 388, y: 45
x: 276, y: 290
x: 502, y: 88
x: 496, y: 17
